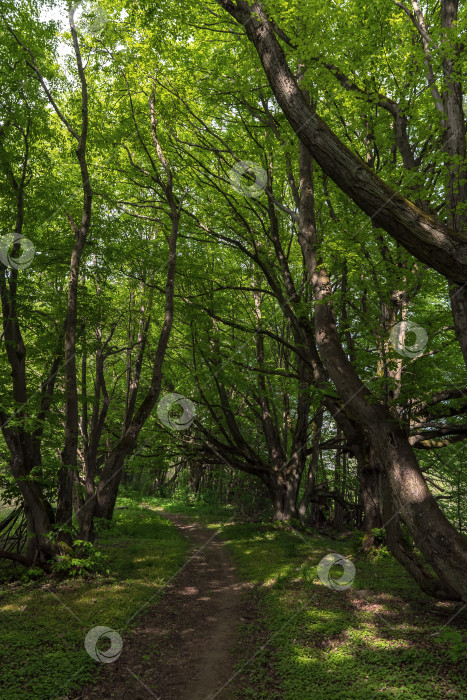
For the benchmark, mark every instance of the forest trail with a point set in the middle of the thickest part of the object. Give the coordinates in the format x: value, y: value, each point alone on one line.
x: 181, y: 647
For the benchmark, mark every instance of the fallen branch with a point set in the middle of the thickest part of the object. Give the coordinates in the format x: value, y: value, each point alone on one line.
x: 23, y: 560
x: 16, y: 557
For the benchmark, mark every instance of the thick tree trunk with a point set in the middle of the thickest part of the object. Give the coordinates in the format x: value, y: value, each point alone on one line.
x: 455, y: 148
x: 440, y: 543
x: 340, y: 484
x: 458, y: 297
x: 403, y: 552
x: 284, y: 494
x: 107, y: 489
x: 370, y: 483
x: 425, y: 236
x: 437, y: 539
x: 196, y: 472
x: 38, y: 546
x: 312, y: 467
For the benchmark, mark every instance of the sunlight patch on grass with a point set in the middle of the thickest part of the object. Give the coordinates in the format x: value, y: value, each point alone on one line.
x: 44, y: 625
x: 334, y: 647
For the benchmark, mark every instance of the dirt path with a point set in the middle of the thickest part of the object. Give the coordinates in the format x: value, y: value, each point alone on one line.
x: 181, y: 648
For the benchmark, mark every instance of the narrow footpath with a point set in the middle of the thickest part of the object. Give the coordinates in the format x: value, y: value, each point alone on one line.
x: 182, y: 646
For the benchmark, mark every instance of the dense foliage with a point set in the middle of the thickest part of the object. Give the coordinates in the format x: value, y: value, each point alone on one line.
x: 190, y: 239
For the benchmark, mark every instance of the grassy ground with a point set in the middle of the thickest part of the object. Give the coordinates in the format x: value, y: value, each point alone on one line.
x: 4, y: 508
x: 44, y: 624
x: 374, y: 640
x: 4, y: 511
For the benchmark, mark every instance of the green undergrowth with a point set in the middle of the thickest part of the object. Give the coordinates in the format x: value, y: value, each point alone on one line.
x: 207, y: 512
x: 373, y: 640
x: 377, y: 639
x: 44, y: 622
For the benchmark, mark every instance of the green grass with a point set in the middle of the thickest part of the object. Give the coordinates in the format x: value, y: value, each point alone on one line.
x: 206, y: 512
x: 329, y: 645
x: 320, y: 643
x: 5, y: 509
x: 44, y: 623
x: 332, y: 644
x: 209, y: 513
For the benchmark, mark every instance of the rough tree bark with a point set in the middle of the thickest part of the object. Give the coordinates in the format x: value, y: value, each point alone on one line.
x: 440, y: 543
x: 312, y: 466
x: 426, y: 237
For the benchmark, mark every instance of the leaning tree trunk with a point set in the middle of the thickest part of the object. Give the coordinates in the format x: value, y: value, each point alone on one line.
x: 442, y: 546
x: 109, y: 482
x: 425, y: 236
x: 440, y: 543
x: 403, y: 551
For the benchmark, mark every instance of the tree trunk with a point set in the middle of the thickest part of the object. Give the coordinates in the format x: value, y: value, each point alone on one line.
x: 38, y: 546
x: 284, y: 494
x: 313, y: 466
x: 70, y: 449
x: 107, y: 489
x: 370, y: 483
x: 425, y: 236
x: 440, y: 543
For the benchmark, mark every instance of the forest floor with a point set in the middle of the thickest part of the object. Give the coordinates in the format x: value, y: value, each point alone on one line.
x: 379, y: 638
x: 182, y: 648
x: 44, y: 620
x: 212, y: 604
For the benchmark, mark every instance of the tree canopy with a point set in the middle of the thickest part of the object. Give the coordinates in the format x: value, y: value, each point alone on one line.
x: 234, y: 248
